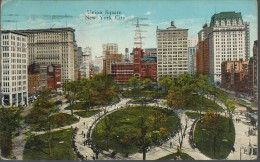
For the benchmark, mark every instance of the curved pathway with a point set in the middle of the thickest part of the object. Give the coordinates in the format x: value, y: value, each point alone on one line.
x: 155, y: 152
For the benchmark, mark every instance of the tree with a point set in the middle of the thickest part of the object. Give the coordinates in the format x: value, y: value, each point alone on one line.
x: 230, y: 109
x: 40, y: 116
x: 10, y: 118
x: 133, y: 81
x: 143, y: 136
x: 85, y: 92
x: 72, y: 87
x: 202, y: 87
x: 181, y: 133
x: 165, y: 82
x: 211, y: 122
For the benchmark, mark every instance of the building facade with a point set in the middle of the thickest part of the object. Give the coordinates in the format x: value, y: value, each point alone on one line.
x: 172, y: 51
x: 98, y: 62
x: 255, y: 69
x: 54, y: 77
x: 235, y: 76
x: 150, y: 52
x: 228, y: 40
x: 53, y: 46
x: 142, y: 67
x: 33, y: 78
x: 13, y: 62
x: 109, y: 59
x: 109, y: 48
x: 121, y: 72
x: 85, y: 65
x: 191, y: 53
x: 202, y: 52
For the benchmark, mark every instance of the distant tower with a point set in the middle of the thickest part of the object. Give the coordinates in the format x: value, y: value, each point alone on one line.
x: 138, y: 37
x: 126, y: 55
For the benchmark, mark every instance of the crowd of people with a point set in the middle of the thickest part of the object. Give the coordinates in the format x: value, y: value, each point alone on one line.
x: 192, y: 143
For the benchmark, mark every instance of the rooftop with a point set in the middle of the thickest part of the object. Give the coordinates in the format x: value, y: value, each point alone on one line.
x: 225, y: 16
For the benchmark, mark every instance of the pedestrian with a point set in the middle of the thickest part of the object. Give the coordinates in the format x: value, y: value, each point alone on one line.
x: 93, y: 157
x: 84, y: 123
x: 170, y: 144
x: 86, y: 157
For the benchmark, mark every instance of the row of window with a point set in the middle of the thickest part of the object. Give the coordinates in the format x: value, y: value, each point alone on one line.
x: 6, y: 72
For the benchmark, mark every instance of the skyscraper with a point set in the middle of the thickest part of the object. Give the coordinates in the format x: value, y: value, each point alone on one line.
x: 110, y: 48
x: 53, y: 46
x: 13, y: 62
x: 85, y: 65
x: 172, y: 51
x: 228, y: 40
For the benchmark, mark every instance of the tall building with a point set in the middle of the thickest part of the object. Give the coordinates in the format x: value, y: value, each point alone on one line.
x: 192, y: 42
x: 98, y: 62
x: 255, y: 69
x: 228, y: 40
x: 53, y: 46
x: 110, y: 48
x: 13, y: 63
x: 150, y: 52
x: 172, y: 51
x: 202, y: 52
x: 138, y: 36
x: 191, y: 53
x: 86, y: 61
x: 109, y: 59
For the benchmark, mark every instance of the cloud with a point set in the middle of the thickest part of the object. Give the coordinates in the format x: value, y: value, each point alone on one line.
x: 148, y: 13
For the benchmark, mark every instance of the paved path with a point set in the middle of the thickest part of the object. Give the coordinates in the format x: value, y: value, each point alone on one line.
x: 154, y: 153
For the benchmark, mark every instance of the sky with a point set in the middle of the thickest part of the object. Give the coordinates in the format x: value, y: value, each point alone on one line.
x: 119, y: 26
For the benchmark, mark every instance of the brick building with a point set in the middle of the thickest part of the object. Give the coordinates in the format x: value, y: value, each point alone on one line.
x: 54, y: 77
x: 109, y: 59
x: 235, y: 76
x: 142, y: 67
x: 33, y: 78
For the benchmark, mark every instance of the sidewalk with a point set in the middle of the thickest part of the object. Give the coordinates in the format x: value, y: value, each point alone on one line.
x: 155, y: 152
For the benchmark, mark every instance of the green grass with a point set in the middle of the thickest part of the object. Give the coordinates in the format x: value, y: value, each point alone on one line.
x: 224, y: 143
x: 193, y: 115
x: 76, y: 106
x: 37, y: 149
x: 86, y: 114
x: 172, y: 156
x: 122, y: 128
x: 195, y: 104
x: 63, y: 119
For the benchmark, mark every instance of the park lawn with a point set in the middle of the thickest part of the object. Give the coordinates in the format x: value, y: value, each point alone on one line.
x: 59, y: 120
x: 38, y: 148
x: 224, y: 143
x: 63, y: 119
x: 88, y: 113
x: 123, y: 127
x: 76, y: 106
x: 195, y: 104
x: 193, y: 115
x: 172, y: 156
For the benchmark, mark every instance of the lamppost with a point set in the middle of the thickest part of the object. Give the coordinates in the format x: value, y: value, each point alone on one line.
x: 240, y: 151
